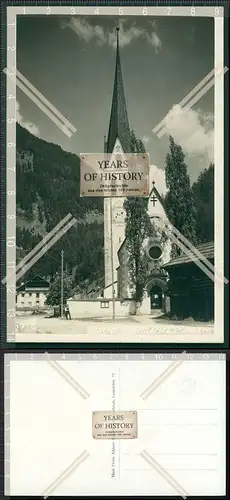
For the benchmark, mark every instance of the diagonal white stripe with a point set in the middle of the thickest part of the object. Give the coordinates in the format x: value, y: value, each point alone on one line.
x: 195, y: 251
x: 45, y: 249
x: 59, y: 480
x: 193, y: 101
x: 40, y: 244
x: 45, y: 101
x: 191, y: 256
x: 44, y: 241
x: 68, y: 378
x: 186, y: 98
x: 43, y: 108
x: 161, y: 379
x: 165, y: 474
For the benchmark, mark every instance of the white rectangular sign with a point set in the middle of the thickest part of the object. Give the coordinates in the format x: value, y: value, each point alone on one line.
x: 114, y: 424
x: 109, y: 175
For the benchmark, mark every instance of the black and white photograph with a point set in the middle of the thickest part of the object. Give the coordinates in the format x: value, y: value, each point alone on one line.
x: 124, y: 268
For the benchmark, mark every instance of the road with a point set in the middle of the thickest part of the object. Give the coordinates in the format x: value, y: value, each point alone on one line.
x: 138, y: 329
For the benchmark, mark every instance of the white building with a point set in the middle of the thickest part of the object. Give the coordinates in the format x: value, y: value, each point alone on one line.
x: 32, y: 294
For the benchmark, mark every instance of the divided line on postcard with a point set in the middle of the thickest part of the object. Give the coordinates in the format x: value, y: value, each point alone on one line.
x: 40, y: 101
x: 160, y: 128
x: 164, y: 474
x: 66, y: 473
x: 161, y: 378
x: 67, y: 377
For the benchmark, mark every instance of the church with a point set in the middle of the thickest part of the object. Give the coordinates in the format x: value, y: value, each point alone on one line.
x: 117, y: 282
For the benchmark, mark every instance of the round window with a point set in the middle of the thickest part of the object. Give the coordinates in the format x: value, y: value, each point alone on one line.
x: 155, y: 252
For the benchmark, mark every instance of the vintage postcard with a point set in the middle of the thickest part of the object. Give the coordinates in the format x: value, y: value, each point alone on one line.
x: 114, y: 174
x: 175, y: 402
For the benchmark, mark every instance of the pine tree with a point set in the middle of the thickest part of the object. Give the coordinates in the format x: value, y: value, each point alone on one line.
x: 203, y: 194
x: 138, y: 227
x: 54, y: 295
x: 179, y: 203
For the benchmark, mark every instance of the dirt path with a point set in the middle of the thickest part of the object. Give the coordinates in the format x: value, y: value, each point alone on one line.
x: 138, y: 330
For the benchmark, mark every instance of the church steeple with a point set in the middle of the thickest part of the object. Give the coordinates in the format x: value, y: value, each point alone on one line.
x: 119, y: 123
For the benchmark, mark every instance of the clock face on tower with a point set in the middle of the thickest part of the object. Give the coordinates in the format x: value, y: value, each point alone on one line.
x: 119, y: 214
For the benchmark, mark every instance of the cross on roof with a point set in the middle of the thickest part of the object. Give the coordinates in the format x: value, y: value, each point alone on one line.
x: 153, y: 199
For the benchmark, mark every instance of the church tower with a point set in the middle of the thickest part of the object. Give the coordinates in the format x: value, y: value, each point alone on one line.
x: 119, y: 141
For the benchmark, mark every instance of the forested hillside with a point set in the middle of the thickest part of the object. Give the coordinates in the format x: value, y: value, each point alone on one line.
x: 48, y: 181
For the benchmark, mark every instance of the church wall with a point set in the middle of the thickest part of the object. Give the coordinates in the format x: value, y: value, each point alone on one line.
x: 99, y: 308
x: 108, y: 293
x: 154, y: 267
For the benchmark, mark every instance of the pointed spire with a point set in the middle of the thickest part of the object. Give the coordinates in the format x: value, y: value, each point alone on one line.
x: 119, y: 123
x: 105, y: 144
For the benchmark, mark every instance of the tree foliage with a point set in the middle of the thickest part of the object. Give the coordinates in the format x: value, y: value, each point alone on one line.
x: 83, y: 253
x: 54, y: 295
x: 138, y: 227
x: 203, y: 194
x: 54, y: 178
x: 179, y: 201
x: 48, y: 180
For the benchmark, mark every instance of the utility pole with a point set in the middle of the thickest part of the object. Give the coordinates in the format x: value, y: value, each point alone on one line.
x: 112, y: 263
x: 62, y: 265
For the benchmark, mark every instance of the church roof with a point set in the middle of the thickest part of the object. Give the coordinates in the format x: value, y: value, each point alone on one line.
x: 156, y: 208
x: 157, y: 194
x: 33, y: 283
x: 119, y: 123
x: 206, y: 249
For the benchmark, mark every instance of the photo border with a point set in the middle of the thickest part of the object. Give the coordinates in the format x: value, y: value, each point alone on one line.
x: 205, y: 5
x: 58, y: 356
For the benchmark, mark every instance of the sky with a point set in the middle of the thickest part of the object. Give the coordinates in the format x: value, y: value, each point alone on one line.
x: 71, y: 61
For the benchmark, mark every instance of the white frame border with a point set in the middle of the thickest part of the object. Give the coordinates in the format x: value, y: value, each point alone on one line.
x: 209, y: 11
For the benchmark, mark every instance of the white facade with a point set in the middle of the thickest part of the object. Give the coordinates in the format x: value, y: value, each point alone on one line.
x: 114, y: 222
x: 31, y: 298
x: 103, y: 308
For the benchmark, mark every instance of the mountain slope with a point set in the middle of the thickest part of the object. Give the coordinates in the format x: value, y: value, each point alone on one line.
x: 48, y: 181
